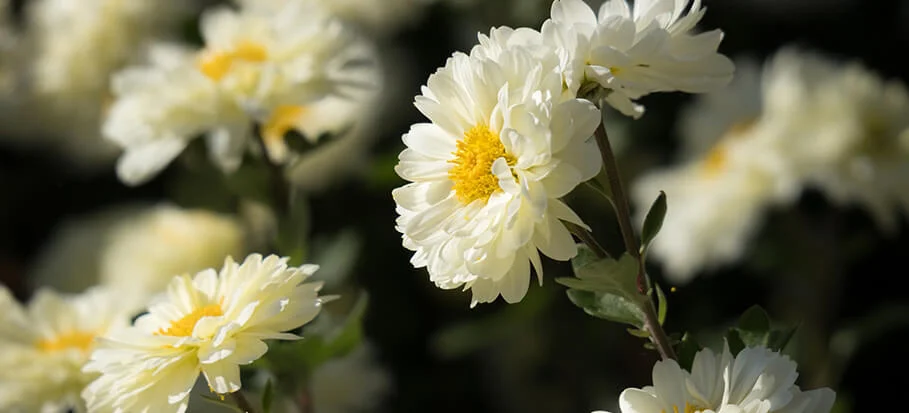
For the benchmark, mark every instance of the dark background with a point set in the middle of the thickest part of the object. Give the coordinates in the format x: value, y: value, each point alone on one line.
x: 544, y: 355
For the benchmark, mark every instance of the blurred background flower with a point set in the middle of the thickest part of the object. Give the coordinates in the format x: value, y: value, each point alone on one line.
x: 805, y: 151
x: 66, y: 55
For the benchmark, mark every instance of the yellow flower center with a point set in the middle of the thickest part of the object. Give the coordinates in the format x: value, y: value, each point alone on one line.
x: 215, y: 64
x: 184, y: 326
x: 472, y: 173
x: 689, y: 408
x: 716, y: 160
x: 282, y: 120
x: 72, y: 340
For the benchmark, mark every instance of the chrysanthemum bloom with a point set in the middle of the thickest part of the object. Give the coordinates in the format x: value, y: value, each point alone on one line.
x: 845, y: 129
x: 801, y: 120
x: 136, y: 250
x: 634, y: 51
x: 730, y: 171
x: 505, y: 143
x: 757, y: 380
x: 211, y: 323
x: 259, y: 65
x: 44, y: 346
x: 68, y: 51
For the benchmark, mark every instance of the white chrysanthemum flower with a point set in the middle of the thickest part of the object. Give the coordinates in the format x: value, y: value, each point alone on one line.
x: 136, y: 250
x: 44, y: 346
x: 634, y: 51
x: 730, y: 172
x: 504, y: 145
x: 757, y: 380
x: 259, y: 65
x: 801, y: 121
x: 846, y: 130
x: 68, y: 52
x: 211, y: 323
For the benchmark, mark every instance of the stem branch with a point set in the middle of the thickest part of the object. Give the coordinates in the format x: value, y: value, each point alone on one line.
x: 620, y: 200
x: 657, y: 334
x: 623, y: 213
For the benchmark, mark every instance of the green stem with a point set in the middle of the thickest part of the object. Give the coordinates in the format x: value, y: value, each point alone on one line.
x: 620, y: 200
x: 623, y: 213
x: 242, y: 402
x: 657, y: 334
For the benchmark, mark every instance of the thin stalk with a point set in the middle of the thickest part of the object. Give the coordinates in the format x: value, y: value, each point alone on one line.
x: 657, y: 334
x: 623, y: 213
x: 620, y: 200
x: 242, y: 402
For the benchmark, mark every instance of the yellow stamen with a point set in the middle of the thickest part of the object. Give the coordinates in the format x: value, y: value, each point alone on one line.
x: 73, y: 340
x: 215, y: 64
x: 282, y: 120
x: 689, y: 408
x: 716, y: 160
x: 184, y: 326
x: 472, y: 173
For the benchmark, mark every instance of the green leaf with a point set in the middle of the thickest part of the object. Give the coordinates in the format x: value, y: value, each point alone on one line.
x: 606, y: 275
x: 268, y: 395
x: 734, y: 341
x: 654, y: 221
x: 639, y: 333
x: 753, y: 327
x: 608, y: 306
x: 686, y: 350
x: 585, y: 256
x: 663, y: 308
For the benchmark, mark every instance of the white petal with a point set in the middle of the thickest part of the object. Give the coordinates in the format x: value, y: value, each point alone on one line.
x: 222, y: 377
x: 140, y: 163
x: 639, y: 401
x: 572, y: 12
x: 513, y: 286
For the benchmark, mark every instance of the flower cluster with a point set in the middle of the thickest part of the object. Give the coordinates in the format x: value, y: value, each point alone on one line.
x: 44, y: 345
x: 59, y: 97
x: 210, y: 323
x: 510, y: 134
x: 261, y: 66
x: 802, y: 121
